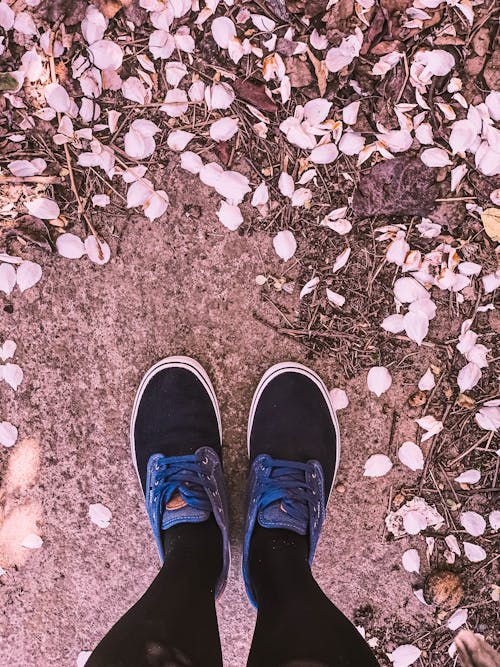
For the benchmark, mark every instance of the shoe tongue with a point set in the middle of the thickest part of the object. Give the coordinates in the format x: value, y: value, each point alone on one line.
x: 178, y: 511
x: 276, y: 516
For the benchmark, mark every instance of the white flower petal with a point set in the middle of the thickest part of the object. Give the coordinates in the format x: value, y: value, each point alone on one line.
x: 457, y: 619
x: 191, y: 162
x: 260, y: 195
x: 338, y: 398
x: 175, y: 103
x: 350, y: 113
x: 431, y: 425
x: 473, y: 523
x: 411, y: 561
x: 8, y: 434
x: 397, y: 251
x: 474, y: 552
x: 435, y: 157
x: 92, y: 250
x: 106, y: 54
x: 93, y: 25
x: 457, y: 175
x: 224, y: 129
x: 138, y: 145
x: 393, y: 323
x: 377, y: 465
x: 43, y: 208
x: 452, y: 544
x: 284, y: 244
x: 286, y: 185
x: 411, y: 456
x: 463, y: 136
x: 223, y: 31
x: 341, y: 260
x: 233, y: 186
x: 491, y: 282
x: 70, y: 246
x: 414, y: 522
x: 339, y: 57
x: 324, y: 154
x: 407, y: 290
x: 301, y: 197
x: 133, y: 89
x: 427, y: 381
x: 178, y: 139
x: 351, y: 143
x: 175, y: 71
x: 28, y: 274
x: 57, y: 98
x: 219, y: 96
x: 416, y: 326
x: 13, y: 375
x: 7, y: 278
x: 100, y: 515
x: 494, y: 519
x: 488, y: 418
x: 316, y: 110
x: 468, y: 377
x: 309, y: 287
x: 379, y: 380
x: 470, y: 268
x: 156, y: 204
x: 7, y: 17
x: 7, y: 350
x: 396, y: 141
x: 230, y: 215
x: 471, y: 476
x: 27, y: 167
x: 335, y: 298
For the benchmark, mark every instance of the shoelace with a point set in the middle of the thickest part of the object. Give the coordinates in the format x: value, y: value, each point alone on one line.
x: 287, y: 483
x: 183, y: 475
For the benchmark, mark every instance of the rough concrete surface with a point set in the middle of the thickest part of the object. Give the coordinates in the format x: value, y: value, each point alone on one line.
x: 86, y: 334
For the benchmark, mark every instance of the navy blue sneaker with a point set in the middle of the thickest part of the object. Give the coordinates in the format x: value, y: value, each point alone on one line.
x: 294, y: 450
x: 176, y: 442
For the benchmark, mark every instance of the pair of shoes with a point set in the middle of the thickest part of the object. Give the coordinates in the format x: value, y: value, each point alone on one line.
x: 293, y: 448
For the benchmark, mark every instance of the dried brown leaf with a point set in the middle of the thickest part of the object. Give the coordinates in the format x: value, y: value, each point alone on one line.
x: 253, y: 93
x: 402, y: 186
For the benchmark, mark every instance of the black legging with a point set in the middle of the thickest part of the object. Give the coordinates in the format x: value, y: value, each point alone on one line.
x: 174, y: 624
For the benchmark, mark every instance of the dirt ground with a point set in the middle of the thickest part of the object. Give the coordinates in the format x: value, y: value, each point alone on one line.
x: 86, y: 335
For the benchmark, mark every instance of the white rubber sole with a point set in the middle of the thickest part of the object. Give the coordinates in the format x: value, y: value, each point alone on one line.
x: 171, y: 362
x: 286, y: 367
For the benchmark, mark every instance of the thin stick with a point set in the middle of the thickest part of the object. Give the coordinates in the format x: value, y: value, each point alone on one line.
x: 19, y: 180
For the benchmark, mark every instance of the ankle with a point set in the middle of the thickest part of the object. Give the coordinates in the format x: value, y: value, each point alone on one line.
x: 278, y: 562
x: 194, y: 549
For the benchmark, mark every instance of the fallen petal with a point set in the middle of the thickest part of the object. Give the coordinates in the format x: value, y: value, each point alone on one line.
x: 379, y: 380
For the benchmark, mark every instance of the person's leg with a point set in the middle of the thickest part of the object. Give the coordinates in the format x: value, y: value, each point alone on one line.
x: 294, y: 449
x: 174, y: 623
x: 297, y: 625
x: 176, y: 448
